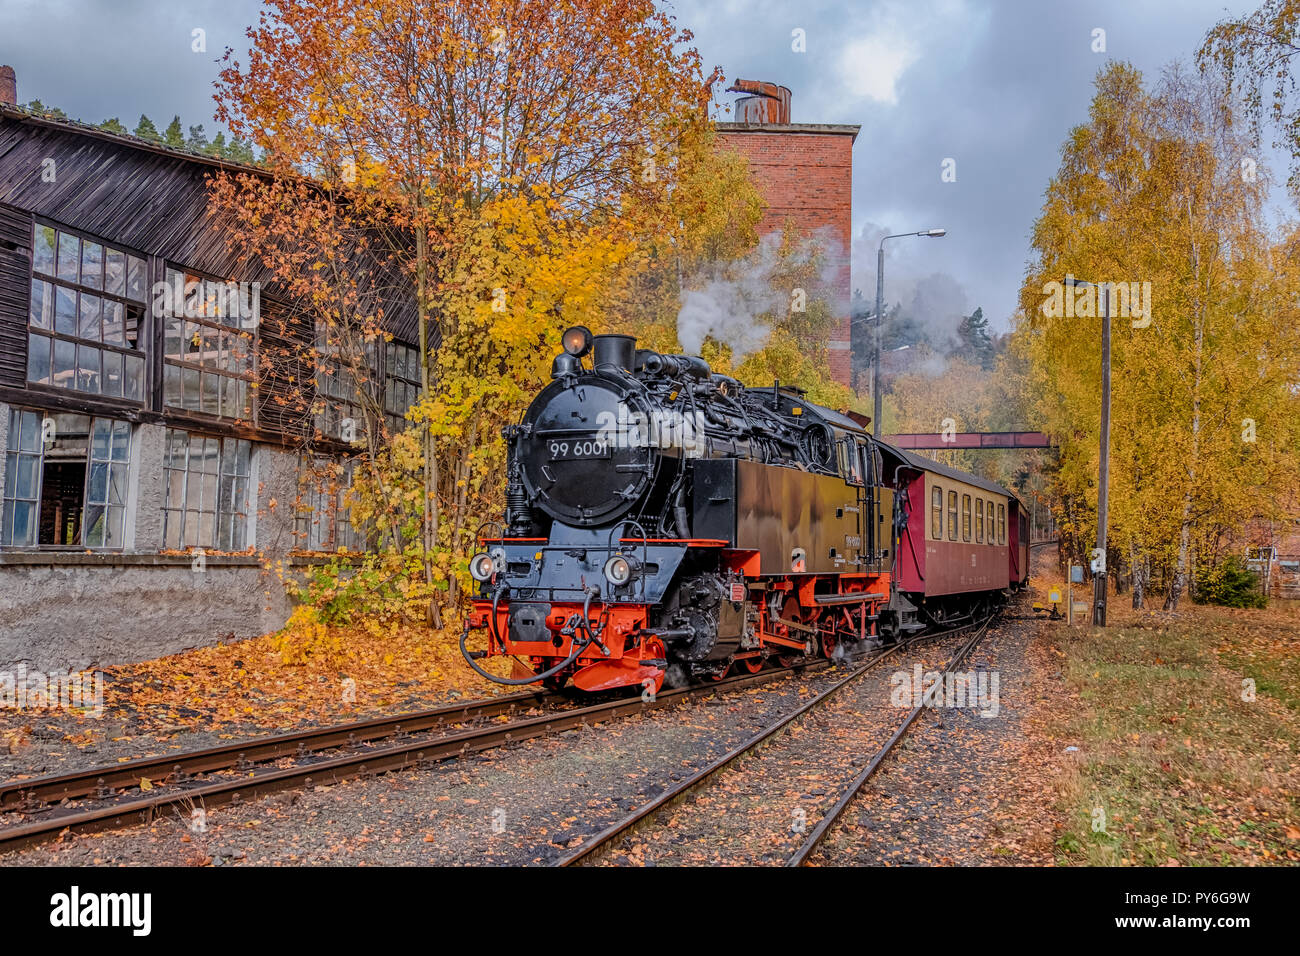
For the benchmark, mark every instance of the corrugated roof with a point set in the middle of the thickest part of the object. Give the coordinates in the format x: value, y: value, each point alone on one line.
x: 146, y: 196
x: 126, y: 139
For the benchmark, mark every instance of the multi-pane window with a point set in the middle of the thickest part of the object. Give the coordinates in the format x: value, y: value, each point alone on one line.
x: 979, y: 520
x: 1002, y: 524
x: 323, y: 516
x: 936, y: 513
x: 22, y: 479
x: 209, y: 344
x: 952, y: 516
x: 341, y: 381
x: 206, y: 503
x: 65, y: 480
x: 965, y: 517
x: 401, y: 384
x: 110, y: 457
x: 87, y: 307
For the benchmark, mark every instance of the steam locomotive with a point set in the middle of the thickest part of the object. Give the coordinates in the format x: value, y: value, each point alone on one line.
x: 665, y: 523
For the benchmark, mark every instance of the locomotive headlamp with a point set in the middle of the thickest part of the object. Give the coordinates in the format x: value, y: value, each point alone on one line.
x: 619, y: 570
x: 576, y: 340
x: 482, y: 567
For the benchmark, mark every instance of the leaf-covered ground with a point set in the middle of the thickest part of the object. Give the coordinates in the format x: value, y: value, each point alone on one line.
x: 237, y: 689
x: 1188, y: 728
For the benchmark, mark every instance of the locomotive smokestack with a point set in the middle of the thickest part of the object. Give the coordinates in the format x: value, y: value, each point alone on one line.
x: 615, y: 350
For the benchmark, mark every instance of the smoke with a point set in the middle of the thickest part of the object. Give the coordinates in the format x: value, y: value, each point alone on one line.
x: 733, y: 302
x: 931, y: 304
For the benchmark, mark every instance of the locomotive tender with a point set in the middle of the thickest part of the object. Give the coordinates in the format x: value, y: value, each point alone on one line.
x: 667, y: 523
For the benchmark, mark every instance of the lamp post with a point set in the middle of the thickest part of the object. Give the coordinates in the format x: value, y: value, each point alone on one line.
x: 876, y: 392
x: 1103, y: 467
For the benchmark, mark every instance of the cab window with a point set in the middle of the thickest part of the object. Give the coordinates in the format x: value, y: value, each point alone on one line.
x: 936, y: 513
x: 850, y: 462
x: 864, y: 455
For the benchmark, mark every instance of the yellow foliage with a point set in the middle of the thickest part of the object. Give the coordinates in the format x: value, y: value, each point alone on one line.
x: 305, y: 638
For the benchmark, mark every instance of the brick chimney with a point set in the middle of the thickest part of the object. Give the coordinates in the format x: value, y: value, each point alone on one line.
x: 804, y: 172
x: 8, y: 86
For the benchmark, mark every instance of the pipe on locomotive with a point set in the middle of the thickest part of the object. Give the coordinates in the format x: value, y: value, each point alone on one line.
x: 578, y: 645
x: 619, y: 352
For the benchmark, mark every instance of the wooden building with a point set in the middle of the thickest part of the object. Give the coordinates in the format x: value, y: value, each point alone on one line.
x: 146, y: 463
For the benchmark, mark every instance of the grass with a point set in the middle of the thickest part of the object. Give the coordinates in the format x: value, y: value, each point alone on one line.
x: 1176, y: 763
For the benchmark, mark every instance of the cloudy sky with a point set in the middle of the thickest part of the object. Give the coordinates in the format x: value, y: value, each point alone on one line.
x: 992, y: 84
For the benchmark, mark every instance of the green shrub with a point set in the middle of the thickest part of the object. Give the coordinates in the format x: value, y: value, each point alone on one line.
x: 1230, y: 584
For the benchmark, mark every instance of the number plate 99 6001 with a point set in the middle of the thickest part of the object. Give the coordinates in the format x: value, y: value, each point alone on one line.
x: 582, y: 448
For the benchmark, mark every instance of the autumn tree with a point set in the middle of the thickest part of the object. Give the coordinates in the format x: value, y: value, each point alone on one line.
x: 1204, y: 413
x: 1258, y: 55
x: 332, y: 272
x: 505, y: 137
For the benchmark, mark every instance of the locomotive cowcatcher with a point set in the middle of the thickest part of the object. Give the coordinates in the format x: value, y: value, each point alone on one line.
x: 665, y: 523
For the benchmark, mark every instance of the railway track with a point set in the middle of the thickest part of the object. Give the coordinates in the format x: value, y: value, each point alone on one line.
x: 230, y: 773
x: 645, y: 814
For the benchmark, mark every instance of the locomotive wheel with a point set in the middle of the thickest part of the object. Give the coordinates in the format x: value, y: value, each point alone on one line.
x: 793, y: 611
x: 829, y: 644
x: 751, y: 664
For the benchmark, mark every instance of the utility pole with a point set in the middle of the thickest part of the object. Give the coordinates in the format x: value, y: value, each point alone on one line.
x: 1103, y: 465
x: 876, y: 396
x: 1103, y: 477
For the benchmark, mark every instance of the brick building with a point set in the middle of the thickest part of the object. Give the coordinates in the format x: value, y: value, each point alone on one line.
x: 804, y: 172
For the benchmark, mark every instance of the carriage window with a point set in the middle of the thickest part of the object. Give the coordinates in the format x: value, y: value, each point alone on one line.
x: 1002, y: 524
x: 952, y: 516
x: 979, y: 520
x: 965, y: 517
x: 936, y: 513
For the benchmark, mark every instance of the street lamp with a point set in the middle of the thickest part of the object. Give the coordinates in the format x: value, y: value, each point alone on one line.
x: 1103, y: 469
x: 880, y: 305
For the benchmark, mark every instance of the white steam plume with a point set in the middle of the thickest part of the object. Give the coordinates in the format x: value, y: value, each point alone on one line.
x: 731, y: 302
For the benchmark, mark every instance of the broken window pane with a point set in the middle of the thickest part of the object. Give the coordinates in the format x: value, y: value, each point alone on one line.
x: 66, y: 480
x: 82, y: 318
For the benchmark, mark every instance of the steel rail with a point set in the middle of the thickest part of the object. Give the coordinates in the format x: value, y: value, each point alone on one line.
x: 27, y: 795
x: 604, y: 839
x: 828, y: 819
x: 329, y: 770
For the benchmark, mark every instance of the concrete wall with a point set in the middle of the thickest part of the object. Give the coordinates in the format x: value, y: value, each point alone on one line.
x: 76, y: 609
x: 83, y: 610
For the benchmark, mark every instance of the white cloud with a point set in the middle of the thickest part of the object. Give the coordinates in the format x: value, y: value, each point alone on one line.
x: 871, y: 66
